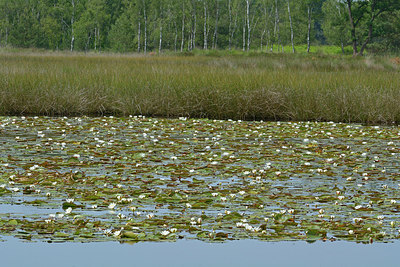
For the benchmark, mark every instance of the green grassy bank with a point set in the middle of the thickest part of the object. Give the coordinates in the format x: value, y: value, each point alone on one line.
x: 268, y: 87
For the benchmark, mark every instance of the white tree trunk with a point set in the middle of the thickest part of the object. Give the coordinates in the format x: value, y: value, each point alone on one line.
x: 309, y: 11
x: 183, y: 27
x: 205, y: 46
x: 160, y: 42
x: 291, y: 27
x: 194, y: 30
x: 215, y: 37
x: 176, y: 36
x: 139, y: 33
x: 244, y: 34
x: 232, y: 28
x: 248, y: 23
x: 72, y: 25
x: 145, y: 27
x: 230, y: 24
x: 277, y: 22
x: 95, y: 39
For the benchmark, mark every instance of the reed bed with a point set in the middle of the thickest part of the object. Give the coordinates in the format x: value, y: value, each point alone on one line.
x: 260, y: 87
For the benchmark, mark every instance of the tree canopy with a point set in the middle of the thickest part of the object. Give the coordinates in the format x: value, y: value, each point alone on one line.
x: 180, y: 25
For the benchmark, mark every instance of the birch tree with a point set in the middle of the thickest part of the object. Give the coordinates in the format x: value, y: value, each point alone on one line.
x: 233, y: 8
x: 291, y: 26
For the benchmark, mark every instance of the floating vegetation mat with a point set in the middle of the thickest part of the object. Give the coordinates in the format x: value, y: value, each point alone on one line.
x: 144, y: 179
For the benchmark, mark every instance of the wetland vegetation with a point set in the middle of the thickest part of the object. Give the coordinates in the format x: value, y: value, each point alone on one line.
x: 256, y: 86
x: 144, y: 179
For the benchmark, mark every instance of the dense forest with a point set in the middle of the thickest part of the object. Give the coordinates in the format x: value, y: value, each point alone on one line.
x: 184, y: 25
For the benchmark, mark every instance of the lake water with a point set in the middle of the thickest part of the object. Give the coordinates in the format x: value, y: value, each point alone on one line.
x: 197, y: 253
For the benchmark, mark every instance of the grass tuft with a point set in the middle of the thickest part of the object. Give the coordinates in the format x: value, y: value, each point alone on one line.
x: 297, y: 87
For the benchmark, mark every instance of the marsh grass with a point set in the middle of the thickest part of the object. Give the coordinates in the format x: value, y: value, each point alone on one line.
x: 259, y: 86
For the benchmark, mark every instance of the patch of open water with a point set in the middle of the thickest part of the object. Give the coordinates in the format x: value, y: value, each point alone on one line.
x: 196, y: 253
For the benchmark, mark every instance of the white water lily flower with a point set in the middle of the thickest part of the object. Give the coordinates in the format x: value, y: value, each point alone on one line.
x: 142, y: 196
x: 381, y: 217
x: 188, y: 205
x: 112, y: 205
x: 248, y: 227
x: 223, y: 199
x: 118, y: 233
x: 340, y: 197
x: 150, y: 216
x: 357, y: 220
x: 393, y: 201
x: 165, y: 233
x: 121, y: 216
x: 242, y: 193
x: 351, y: 232
x: 69, y: 200
x: 68, y: 211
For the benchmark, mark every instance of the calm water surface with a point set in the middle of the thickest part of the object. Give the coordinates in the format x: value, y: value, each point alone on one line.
x: 196, y: 253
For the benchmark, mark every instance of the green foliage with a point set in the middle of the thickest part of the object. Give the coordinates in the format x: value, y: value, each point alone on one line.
x: 154, y: 25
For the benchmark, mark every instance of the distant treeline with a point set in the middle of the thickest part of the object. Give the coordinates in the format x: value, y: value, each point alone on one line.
x: 184, y: 25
